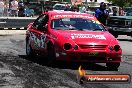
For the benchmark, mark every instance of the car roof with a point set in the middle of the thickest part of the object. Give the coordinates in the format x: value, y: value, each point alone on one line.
x: 59, y: 12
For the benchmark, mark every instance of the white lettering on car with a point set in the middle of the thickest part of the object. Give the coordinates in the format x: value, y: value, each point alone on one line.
x: 74, y: 36
x: 72, y: 16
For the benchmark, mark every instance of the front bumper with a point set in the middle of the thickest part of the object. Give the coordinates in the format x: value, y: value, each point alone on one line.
x: 97, y: 57
x: 120, y: 30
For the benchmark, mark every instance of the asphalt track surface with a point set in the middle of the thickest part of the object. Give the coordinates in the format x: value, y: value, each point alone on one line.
x: 18, y: 71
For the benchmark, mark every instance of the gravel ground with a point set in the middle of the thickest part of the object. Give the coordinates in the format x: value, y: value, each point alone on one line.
x: 18, y: 71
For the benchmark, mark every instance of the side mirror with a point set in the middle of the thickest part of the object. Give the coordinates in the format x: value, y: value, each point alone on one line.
x: 42, y: 27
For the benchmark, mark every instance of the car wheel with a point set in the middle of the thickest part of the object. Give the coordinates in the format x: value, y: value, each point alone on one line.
x: 29, y: 50
x: 112, y: 66
x: 51, y: 56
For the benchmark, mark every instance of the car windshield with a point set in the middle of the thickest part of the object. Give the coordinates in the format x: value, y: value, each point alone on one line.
x: 79, y: 24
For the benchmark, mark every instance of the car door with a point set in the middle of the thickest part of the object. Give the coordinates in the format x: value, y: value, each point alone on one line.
x: 38, y: 32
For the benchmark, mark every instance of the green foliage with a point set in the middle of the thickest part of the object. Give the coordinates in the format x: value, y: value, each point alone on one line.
x: 122, y: 3
x: 78, y: 5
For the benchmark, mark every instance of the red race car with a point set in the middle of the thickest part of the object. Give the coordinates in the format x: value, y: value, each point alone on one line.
x: 72, y: 36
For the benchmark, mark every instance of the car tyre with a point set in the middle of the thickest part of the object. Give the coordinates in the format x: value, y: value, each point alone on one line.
x: 112, y: 66
x: 29, y: 50
x: 51, y: 56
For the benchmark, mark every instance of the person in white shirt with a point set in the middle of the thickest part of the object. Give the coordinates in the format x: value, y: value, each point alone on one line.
x: 2, y: 5
x: 14, y: 8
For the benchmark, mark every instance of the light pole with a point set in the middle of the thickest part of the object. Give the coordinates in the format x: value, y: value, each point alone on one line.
x: 43, y: 6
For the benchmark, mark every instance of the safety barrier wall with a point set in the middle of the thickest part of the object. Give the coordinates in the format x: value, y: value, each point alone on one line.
x: 15, y: 22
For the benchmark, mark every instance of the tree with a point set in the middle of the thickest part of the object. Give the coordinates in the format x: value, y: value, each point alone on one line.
x: 121, y: 3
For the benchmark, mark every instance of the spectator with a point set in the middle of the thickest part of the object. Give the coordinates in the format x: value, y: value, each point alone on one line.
x: 67, y: 7
x: 6, y: 9
x: 28, y: 12
x: 121, y: 12
x: 82, y: 8
x: 115, y: 11
x: 21, y: 8
x: 102, y: 13
x: 2, y: 5
x: 75, y: 8
x: 14, y: 8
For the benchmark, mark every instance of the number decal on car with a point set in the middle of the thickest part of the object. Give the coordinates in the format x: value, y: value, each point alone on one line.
x: 93, y: 54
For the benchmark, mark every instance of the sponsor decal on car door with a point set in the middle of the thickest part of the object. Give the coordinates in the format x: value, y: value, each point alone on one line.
x: 38, y: 40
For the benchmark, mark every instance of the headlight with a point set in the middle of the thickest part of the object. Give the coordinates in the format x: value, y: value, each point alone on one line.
x: 67, y: 46
x: 116, y: 47
x: 127, y: 23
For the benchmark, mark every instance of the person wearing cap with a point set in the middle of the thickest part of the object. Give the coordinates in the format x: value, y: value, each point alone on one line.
x: 102, y: 13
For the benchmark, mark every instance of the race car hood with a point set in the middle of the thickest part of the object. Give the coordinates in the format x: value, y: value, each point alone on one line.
x: 87, y: 37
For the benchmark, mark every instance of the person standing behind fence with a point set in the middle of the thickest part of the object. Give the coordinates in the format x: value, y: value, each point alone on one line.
x: 14, y: 8
x: 115, y: 11
x: 21, y: 8
x: 102, y: 13
x: 82, y: 8
x: 2, y: 5
x: 121, y: 11
x: 75, y: 8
